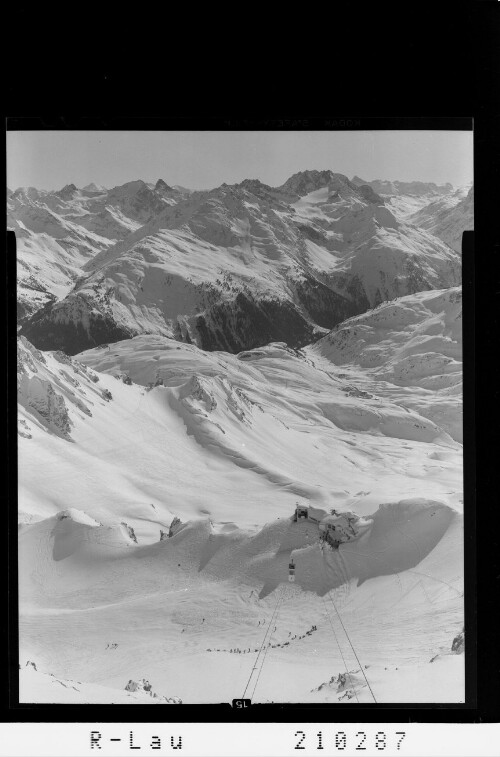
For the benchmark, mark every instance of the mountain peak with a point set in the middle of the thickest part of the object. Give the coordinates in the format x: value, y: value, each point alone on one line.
x: 130, y: 185
x: 67, y: 191
x: 415, y: 188
x: 304, y: 182
x: 369, y: 194
x: 92, y: 187
x: 25, y: 193
x: 162, y: 186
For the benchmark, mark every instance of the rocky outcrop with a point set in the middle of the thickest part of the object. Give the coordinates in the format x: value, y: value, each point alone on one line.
x: 51, y: 387
x: 130, y: 531
x: 143, y: 686
x: 174, y: 527
x: 343, y: 682
x: 37, y: 393
x: 50, y: 406
x: 458, y: 643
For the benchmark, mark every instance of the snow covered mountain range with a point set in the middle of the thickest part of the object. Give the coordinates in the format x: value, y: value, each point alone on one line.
x: 231, y: 268
x: 58, y: 232
x: 192, y: 365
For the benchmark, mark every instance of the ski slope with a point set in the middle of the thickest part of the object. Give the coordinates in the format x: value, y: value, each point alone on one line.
x: 149, y: 429
x: 192, y: 613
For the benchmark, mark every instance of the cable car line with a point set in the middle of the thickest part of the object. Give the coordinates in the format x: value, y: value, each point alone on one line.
x: 352, y: 647
x: 271, y: 621
x: 263, y: 644
x: 340, y: 649
x: 268, y: 646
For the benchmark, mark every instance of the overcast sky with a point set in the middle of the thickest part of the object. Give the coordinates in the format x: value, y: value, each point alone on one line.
x: 202, y: 160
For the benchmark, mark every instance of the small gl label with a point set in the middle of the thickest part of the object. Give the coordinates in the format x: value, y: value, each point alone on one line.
x: 241, y: 703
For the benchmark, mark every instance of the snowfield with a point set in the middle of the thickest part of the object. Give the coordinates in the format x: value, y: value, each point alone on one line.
x: 409, y: 349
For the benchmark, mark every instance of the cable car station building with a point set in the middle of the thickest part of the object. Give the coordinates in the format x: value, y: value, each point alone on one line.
x: 334, y: 528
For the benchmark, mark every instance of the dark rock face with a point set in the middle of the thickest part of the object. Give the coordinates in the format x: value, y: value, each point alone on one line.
x: 162, y: 186
x: 246, y: 323
x: 307, y: 181
x: 72, y: 337
x: 173, y: 528
x: 368, y: 193
x: 241, y: 323
x: 24, y: 310
x: 130, y: 531
x: 67, y: 192
x: 311, y: 233
x: 458, y: 643
x: 325, y: 307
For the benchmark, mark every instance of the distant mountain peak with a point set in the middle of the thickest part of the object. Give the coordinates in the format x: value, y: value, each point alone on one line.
x: 162, y: 186
x: 24, y: 192
x: 369, y: 194
x: 416, y: 188
x: 305, y: 182
x: 308, y: 181
x: 92, y: 187
x: 129, y: 187
x: 67, y: 191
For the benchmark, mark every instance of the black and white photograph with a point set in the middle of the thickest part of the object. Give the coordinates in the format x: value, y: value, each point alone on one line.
x: 240, y: 425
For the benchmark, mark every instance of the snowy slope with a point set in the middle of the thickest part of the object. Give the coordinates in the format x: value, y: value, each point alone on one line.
x: 242, y: 265
x: 409, y: 349
x: 423, y: 204
x: 51, y: 247
x: 190, y: 613
x: 448, y: 218
x: 46, y: 688
x: 249, y: 421
x: 115, y: 444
